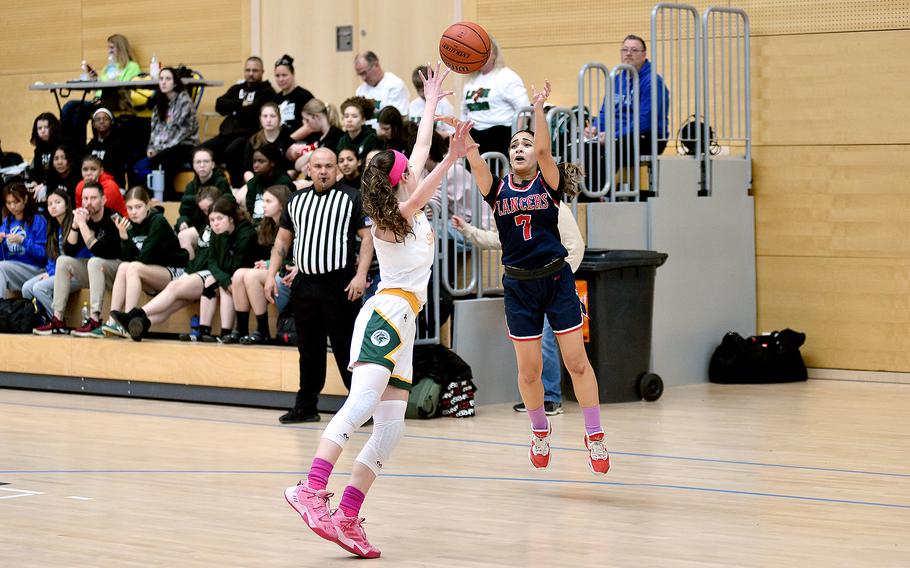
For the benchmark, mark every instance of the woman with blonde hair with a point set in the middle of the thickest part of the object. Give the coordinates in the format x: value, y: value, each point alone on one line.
x: 324, y: 123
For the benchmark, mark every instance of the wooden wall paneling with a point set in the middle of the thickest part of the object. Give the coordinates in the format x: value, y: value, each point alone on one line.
x: 193, y: 33
x: 776, y: 17
x: 855, y: 311
x: 847, y: 88
x: 844, y: 201
x: 40, y: 36
x: 19, y: 107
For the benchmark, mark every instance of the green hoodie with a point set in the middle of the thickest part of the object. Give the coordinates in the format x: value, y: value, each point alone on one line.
x: 230, y: 251
x: 257, y: 186
x: 189, y: 209
x: 153, y: 241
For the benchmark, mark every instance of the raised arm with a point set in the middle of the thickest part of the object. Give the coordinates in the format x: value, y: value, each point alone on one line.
x: 432, y: 90
x: 542, y: 150
x: 458, y: 148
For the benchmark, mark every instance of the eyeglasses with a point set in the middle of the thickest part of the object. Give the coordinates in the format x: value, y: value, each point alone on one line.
x: 630, y: 50
x: 365, y: 71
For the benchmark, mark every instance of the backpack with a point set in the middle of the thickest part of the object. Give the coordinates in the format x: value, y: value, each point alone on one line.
x: 423, y: 399
x: 772, y: 358
x: 286, y: 332
x: 442, y: 366
x: 18, y: 315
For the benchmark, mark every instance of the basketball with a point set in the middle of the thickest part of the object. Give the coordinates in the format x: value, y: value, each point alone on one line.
x: 464, y: 47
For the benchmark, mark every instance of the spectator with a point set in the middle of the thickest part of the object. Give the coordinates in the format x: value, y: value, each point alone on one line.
x: 331, y: 278
x: 634, y: 53
x: 394, y: 132
x: 175, y: 130
x: 357, y: 136
x: 230, y: 249
x: 240, y: 107
x: 151, y: 256
x: 108, y: 146
x: 93, y: 229
x: 121, y: 66
x: 23, y: 238
x: 46, y: 137
x: 248, y: 284
x: 325, y: 126
x: 205, y: 173
x: 415, y: 109
x: 9, y: 159
x: 492, y: 98
x: 290, y: 97
x: 196, y: 238
x: 93, y: 172
x: 272, y: 132
x: 381, y: 88
x: 60, y: 221
x: 458, y: 185
x: 65, y: 174
x: 349, y: 168
x: 266, y: 174
x: 571, y: 238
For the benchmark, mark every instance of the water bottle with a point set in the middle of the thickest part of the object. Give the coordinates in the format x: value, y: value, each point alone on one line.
x: 85, y: 313
x: 83, y: 75
x: 111, y: 69
x: 154, y: 67
x: 194, y: 322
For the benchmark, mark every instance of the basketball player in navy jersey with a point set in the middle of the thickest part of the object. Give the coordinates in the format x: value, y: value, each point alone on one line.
x: 538, y: 281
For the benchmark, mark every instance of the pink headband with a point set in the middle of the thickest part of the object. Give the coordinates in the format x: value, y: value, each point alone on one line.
x: 401, y: 164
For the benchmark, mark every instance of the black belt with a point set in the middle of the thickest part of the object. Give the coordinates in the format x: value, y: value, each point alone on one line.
x: 548, y: 269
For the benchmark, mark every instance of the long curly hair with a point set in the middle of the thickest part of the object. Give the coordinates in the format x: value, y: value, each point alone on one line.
x: 379, y: 200
x: 572, y: 175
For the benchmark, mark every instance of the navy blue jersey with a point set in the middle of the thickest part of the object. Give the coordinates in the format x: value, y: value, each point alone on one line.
x: 526, y: 216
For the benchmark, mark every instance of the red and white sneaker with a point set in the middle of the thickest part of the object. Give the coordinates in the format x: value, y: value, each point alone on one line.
x: 54, y: 327
x: 313, y: 508
x: 351, y: 536
x: 539, y: 453
x: 86, y: 329
x: 598, y: 457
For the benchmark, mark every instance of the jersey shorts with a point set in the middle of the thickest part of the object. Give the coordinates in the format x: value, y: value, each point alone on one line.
x: 526, y: 302
x: 384, y: 334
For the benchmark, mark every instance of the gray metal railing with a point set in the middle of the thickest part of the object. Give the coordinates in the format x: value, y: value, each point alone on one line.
x: 524, y: 119
x: 457, y: 196
x: 676, y: 62
x: 428, y: 333
x: 593, y: 156
x: 727, y: 95
x: 625, y: 151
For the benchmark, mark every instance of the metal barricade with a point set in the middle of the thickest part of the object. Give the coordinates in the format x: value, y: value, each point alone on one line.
x: 428, y: 325
x: 624, y: 152
x: 489, y: 262
x: 592, y: 155
x: 456, y: 196
x: 564, y: 134
x: 676, y: 63
x: 524, y: 120
x: 727, y: 109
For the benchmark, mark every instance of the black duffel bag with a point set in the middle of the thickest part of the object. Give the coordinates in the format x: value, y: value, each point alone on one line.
x: 18, y: 315
x: 772, y: 358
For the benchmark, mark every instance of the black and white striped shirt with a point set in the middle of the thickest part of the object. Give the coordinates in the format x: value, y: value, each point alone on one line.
x: 325, y: 225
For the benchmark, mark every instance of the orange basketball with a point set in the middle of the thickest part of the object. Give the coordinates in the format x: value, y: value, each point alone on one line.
x: 464, y: 47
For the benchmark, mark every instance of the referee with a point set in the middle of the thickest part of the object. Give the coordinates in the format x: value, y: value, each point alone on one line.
x: 321, y: 223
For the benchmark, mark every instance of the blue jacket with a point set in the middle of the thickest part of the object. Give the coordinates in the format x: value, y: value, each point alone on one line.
x: 623, y: 95
x: 32, y: 249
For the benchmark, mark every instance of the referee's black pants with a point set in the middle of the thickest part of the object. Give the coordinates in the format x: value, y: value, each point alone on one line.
x: 322, y: 310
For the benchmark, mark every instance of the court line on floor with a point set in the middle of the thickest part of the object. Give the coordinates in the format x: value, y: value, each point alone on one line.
x: 470, y: 478
x: 467, y: 441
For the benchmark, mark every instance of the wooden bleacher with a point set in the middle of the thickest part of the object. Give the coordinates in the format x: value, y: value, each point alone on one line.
x: 168, y: 362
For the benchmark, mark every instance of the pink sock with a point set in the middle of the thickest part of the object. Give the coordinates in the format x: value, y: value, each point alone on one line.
x: 592, y: 419
x: 318, y: 478
x: 538, y: 418
x: 351, y: 501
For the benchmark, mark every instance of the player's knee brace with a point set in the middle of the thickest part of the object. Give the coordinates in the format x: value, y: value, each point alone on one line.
x: 388, y: 428
x: 356, y: 410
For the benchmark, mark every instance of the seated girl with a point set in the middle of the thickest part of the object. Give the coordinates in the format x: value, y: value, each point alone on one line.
x: 46, y: 136
x: 271, y: 133
x: 248, y: 284
x: 199, y: 234
x: 23, y: 237
x: 151, y: 255
x: 230, y: 248
x: 205, y: 172
x: 266, y: 160
x: 64, y: 174
x: 60, y: 221
x: 349, y: 168
x: 93, y: 171
x: 394, y: 132
x: 325, y: 124
x: 358, y: 135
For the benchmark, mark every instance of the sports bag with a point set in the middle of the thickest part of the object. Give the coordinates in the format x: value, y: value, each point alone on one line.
x: 771, y: 358
x: 423, y: 399
x: 18, y: 315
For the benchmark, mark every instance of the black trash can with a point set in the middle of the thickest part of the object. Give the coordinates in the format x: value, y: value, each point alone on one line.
x: 618, y: 288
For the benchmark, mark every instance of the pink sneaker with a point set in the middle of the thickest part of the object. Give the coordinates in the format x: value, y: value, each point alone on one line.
x: 539, y: 454
x: 313, y: 507
x: 351, y: 536
x: 598, y: 457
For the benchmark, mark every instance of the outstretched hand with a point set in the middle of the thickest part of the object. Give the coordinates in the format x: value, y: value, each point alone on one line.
x: 459, y: 147
x: 540, y: 97
x: 432, y: 82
